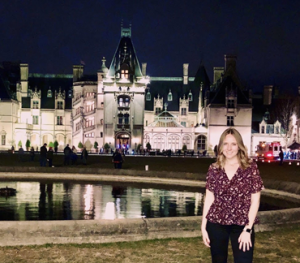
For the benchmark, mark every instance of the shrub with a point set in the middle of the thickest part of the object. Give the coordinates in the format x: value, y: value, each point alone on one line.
x: 80, y: 145
x: 95, y: 145
x: 184, y: 148
x: 148, y: 146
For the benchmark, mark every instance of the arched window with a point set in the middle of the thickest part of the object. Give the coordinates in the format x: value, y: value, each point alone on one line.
x: 201, y: 143
x: 49, y: 93
x: 190, y: 96
x: 148, y: 96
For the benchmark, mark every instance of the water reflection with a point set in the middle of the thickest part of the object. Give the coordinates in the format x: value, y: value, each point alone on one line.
x: 75, y: 201
x: 69, y: 201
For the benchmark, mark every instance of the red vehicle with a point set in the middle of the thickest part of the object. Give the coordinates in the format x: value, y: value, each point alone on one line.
x: 268, y: 150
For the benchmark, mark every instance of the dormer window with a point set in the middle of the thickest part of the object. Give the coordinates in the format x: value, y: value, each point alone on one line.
x: 124, y: 71
x: 230, y: 103
x: 148, y: 96
x: 60, y: 105
x: 69, y: 93
x: 190, y: 96
x: 49, y: 93
x: 35, y: 104
x: 170, y: 96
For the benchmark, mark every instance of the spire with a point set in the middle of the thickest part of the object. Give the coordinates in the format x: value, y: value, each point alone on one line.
x: 200, y: 104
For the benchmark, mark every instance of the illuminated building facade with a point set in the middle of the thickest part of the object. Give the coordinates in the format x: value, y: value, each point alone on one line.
x: 122, y: 107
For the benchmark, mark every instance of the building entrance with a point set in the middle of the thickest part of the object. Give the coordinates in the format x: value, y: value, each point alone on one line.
x: 123, y: 141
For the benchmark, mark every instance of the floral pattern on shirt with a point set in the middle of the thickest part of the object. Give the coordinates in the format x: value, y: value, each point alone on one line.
x: 232, y: 197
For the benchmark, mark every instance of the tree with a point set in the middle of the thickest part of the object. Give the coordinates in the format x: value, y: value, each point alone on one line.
x: 184, y: 148
x: 80, y: 145
x: 148, y: 146
x: 20, y: 144
x: 51, y: 144
x: 27, y: 145
x: 106, y: 147
x: 55, y: 144
x: 283, y: 111
x: 95, y: 145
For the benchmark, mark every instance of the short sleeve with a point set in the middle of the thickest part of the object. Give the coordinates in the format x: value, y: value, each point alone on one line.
x: 256, y: 181
x: 210, y: 179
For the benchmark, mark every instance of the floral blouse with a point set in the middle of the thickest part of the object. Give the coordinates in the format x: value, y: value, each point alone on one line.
x: 232, y: 197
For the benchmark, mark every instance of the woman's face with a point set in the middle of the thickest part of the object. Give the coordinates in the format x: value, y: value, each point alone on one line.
x: 230, y: 147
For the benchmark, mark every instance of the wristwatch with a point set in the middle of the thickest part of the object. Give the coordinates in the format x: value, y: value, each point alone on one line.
x: 248, y: 230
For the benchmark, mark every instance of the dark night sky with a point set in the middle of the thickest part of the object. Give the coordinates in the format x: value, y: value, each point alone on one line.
x: 52, y: 35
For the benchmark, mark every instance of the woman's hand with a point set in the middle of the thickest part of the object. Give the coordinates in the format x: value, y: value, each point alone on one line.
x: 245, y: 241
x: 205, y: 238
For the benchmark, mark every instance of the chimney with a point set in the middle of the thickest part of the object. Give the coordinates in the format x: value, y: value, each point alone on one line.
x: 185, y: 73
x: 77, y: 72
x: 230, y: 61
x: 268, y: 94
x: 24, y: 71
x: 218, y: 72
x: 144, y: 67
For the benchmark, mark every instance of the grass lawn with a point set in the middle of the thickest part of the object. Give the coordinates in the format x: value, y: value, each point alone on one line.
x: 281, y: 246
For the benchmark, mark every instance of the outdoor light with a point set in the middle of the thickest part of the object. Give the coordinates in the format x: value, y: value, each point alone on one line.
x: 262, y: 161
x: 298, y: 164
x: 290, y: 163
x: 269, y: 161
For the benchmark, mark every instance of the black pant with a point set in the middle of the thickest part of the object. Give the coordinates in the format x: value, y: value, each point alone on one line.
x: 219, y: 238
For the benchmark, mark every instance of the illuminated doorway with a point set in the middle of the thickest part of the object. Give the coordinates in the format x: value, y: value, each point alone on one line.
x: 123, y: 141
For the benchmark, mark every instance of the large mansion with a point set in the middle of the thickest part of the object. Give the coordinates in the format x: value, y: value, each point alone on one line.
x: 124, y: 107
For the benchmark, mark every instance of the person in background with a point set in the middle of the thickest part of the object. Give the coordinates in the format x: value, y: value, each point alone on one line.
x: 43, y: 155
x: 21, y: 153
x: 84, y: 155
x: 280, y: 156
x: 233, y: 187
x: 67, y: 154
x: 55, y: 149
x: 32, y: 154
x: 50, y: 156
x: 117, y: 159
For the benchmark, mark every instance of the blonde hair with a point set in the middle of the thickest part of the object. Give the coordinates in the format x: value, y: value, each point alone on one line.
x: 242, y: 154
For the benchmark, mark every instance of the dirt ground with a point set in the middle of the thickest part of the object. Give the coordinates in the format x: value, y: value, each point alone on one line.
x: 281, y: 245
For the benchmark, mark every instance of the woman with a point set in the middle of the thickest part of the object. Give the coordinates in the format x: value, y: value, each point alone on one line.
x: 50, y: 156
x: 232, y: 200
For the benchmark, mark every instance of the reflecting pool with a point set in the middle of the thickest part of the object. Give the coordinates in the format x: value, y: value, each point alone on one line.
x: 84, y: 201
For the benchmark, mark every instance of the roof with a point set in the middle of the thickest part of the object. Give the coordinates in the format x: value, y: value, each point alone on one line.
x: 162, y: 87
x: 54, y: 83
x: 125, y: 54
x: 9, y: 77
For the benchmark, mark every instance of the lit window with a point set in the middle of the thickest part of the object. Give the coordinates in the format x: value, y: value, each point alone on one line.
x: 230, y: 120
x: 124, y: 74
x: 59, y: 120
x: 35, y: 120
x: 183, y: 111
x: 60, y: 105
x: 3, y: 139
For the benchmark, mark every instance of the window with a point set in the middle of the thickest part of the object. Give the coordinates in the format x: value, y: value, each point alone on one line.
x: 89, y: 122
x: 183, y: 111
x: 146, y: 123
x: 3, y: 139
x: 89, y: 135
x: 120, y: 102
x: 124, y: 74
x: 77, y: 111
x: 49, y: 93
x: 170, y: 97
x: 230, y: 103
x: 277, y: 130
x: 35, y: 120
x: 190, y: 96
x: 101, y: 134
x: 148, y: 96
x: 35, y: 104
x: 126, y: 119
x: 262, y: 129
x: 230, y: 120
x: 270, y: 128
x: 78, y: 126
x: 157, y: 110
x: 183, y: 123
x: 59, y: 120
x: 70, y: 93
x: 120, y: 119
x: 101, y: 121
x: 90, y: 94
x: 201, y: 143
x: 59, y: 105
x: 186, y: 141
x: 102, y: 104
x: 89, y: 108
